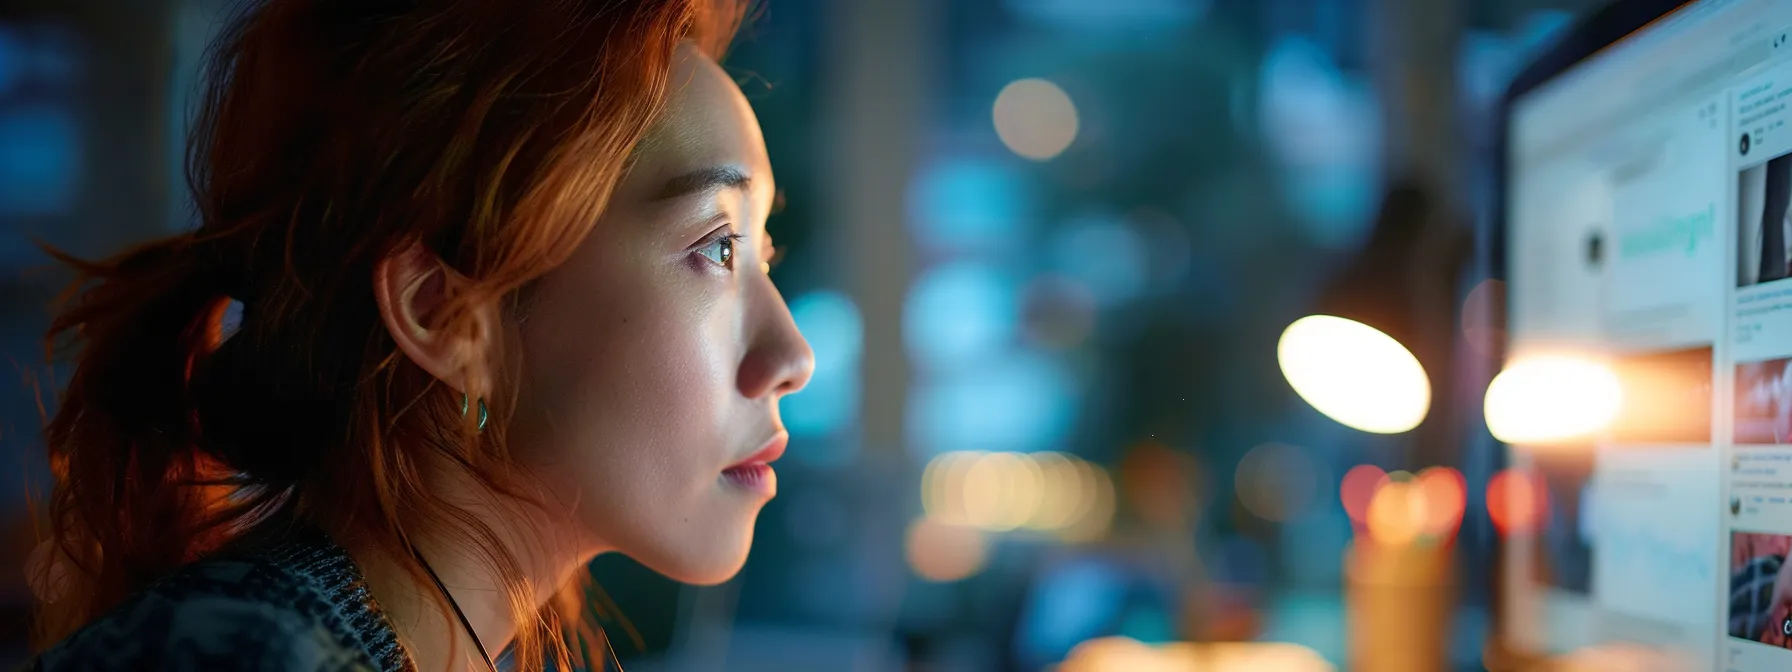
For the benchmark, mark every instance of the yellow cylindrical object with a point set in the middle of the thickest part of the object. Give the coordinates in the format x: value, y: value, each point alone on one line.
x: 1399, y: 600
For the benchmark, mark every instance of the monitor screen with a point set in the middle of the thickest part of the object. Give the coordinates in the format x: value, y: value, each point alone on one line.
x: 1649, y: 223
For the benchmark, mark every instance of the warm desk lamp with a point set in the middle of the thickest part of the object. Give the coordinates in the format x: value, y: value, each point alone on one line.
x: 1352, y: 360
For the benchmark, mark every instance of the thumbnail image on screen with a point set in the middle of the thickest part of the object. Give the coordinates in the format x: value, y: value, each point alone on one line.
x: 1760, y: 606
x: 1764, y: 402
x: 1763, y: 233
x: 1667, y: 398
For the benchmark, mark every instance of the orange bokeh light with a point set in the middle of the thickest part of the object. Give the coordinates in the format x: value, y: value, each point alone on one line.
x: 1516, y: 501
x: 944, y: 552
x: 1397, y: 514
x: 1446, y: 495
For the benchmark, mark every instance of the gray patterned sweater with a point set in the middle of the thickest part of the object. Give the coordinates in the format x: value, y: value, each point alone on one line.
x: 297, y: 603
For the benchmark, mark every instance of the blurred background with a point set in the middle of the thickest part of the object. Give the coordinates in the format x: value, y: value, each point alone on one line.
x: 1045, y: 252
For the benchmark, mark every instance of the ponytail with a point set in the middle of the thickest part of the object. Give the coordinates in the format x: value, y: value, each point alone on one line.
x: 123, y: 443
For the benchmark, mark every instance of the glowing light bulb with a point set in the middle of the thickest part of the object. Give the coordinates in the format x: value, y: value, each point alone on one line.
x: 1552, y: 398
x: 1354, y: 374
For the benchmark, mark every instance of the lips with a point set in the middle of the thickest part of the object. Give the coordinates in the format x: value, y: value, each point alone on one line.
x: 774, y: 449
x: 755, y: 474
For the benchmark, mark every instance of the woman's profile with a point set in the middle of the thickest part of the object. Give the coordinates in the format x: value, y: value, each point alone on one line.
x: 478, y: 293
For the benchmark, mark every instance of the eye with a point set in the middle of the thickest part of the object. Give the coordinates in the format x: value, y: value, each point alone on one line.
x: 720, y: 250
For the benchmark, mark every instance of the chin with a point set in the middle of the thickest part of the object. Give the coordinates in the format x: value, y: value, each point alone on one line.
x: 707, y: 564
x: 706, y: 579
x: 710, y: 571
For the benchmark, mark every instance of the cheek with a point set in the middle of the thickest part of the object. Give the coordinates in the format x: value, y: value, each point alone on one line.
x: 628, y: 364
x: 626, y: 397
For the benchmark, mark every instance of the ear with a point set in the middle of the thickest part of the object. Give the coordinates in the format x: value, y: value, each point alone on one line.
x: 412, y: 287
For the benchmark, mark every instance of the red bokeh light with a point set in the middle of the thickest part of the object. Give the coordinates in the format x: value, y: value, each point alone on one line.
x: 1358, y: 488
x: 1516, y: 501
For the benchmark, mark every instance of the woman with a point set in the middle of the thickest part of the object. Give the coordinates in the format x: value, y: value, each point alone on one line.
x: 503, y: 307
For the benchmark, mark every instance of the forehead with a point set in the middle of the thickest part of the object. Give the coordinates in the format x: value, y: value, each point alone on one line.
x: 707, y: 123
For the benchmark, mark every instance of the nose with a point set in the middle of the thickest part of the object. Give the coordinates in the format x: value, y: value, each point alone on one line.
x: 779, y: 360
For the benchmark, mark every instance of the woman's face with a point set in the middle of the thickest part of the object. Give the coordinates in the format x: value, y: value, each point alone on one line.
x: 654, y: 358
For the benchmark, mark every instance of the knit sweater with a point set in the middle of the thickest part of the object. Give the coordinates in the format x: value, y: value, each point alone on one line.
x: 295, y: 603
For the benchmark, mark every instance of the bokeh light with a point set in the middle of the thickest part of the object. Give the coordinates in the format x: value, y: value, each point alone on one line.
x: 1358, y: 489
x: 1320, y: 123
x: 1624, y: 657
x: 1517, y: 501
x: 1114, y: 654
x: 1276, y: 481
x: 1446, y: 496
x: 1002, y: 491
x: 831, y: 323
x: 968, y: 203
x: 943, y: 485
x: 1552, y: 398
x: 999, y: 492
x: 1035, y: 118
x: 1013, y: 401
x: 1159, y: 484
x: 1066, y: 493
x: 988, y: 490
x: 1092, y: 521
x: 941, y: 551
x: 957, y: 313
x: 1354, y: 374
x: 1124, y: 654
x: 1070, y: 601
x: 1398, y: 513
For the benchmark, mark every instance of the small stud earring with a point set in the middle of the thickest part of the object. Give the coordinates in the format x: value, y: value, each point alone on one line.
x: 482, y: 414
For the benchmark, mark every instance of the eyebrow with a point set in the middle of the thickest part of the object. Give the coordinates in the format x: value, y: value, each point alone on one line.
x: 703, y: 179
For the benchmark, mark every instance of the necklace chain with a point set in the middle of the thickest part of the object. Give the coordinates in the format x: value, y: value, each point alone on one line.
x: 457, y: 612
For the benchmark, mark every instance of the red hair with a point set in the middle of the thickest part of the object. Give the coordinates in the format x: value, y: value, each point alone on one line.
x: 332, y: 134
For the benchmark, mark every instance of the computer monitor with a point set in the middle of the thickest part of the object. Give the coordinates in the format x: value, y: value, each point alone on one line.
x: 1646, y: 179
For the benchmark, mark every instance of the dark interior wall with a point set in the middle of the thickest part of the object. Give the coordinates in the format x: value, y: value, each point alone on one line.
x: 83, y: 167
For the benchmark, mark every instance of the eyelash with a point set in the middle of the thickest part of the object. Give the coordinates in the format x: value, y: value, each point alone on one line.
x: 725, y: 260
x: 731, y: 239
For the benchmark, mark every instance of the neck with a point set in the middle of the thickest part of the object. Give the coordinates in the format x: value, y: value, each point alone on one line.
x: 548, y: 558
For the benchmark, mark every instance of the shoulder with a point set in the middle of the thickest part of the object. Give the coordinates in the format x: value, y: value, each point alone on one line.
x: 247, y: 614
